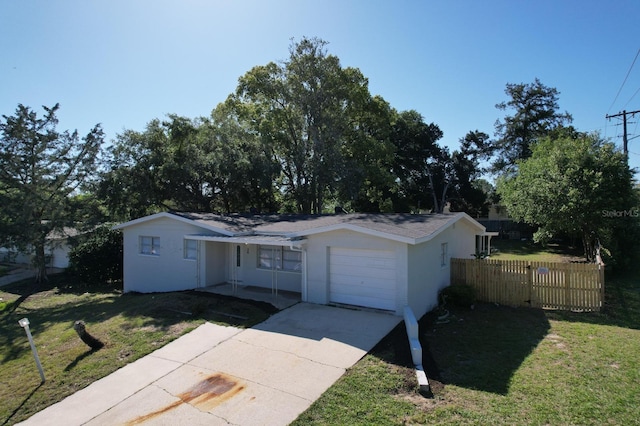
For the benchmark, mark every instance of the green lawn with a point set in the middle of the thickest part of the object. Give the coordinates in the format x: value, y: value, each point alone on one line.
x: 130, y: 325
x: 528, y: 250
x: 496, y: 365
x: 491, y: 365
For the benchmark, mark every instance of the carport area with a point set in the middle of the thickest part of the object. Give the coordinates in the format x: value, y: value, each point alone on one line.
x: 215, y: 375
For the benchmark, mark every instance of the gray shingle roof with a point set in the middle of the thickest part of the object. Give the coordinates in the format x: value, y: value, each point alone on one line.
x: 399, y: 225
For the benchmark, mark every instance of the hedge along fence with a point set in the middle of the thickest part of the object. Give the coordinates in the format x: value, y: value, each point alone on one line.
x: 550, y: 285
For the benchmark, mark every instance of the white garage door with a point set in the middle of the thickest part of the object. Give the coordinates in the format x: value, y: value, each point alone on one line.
x: 362, y: 277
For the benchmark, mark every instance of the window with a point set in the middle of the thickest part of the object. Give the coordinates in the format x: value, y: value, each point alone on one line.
x: 444, y: 247
x: 280, y: 258
x: 190, y: 249
x: 150, y: 245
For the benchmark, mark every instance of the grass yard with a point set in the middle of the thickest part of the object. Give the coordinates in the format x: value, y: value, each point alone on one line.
x: 528, y: 250
x: 502, y: 366
x: 490, y: 365
x: 130, y: 325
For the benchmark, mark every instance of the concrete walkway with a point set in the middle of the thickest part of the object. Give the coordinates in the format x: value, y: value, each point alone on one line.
x: 23, y: 273
x: 215, y: 375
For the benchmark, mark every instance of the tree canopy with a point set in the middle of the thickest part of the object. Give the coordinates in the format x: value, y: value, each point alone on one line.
x: 303, y: 136
x: 305, y: 109
x: 535, y: 114
x: 190, y: 165
x: 567, y: 186
x: 40, y: 169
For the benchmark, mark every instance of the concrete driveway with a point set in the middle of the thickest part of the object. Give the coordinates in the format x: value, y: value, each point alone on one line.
x: 265, y: 375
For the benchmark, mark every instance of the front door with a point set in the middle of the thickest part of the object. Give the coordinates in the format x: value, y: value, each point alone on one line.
x: 236, y: 263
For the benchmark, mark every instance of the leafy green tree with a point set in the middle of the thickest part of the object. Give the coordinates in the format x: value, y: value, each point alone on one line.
x: 40, y: 170
x: 419, y: 163
x: 133, y: 185
x: 245, y: 170
x: 570, y: 185
x: 430, y: 176
x: 366, y: 182
x: 535, y: 115
x: 188, y: 165
x: 302, y: 109
x: 467, y: 194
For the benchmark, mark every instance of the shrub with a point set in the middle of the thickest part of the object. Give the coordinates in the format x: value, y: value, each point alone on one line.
x: 462, y: 295
x: 99, y: 258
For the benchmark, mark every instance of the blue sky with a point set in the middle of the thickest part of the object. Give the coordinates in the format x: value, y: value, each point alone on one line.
x: 123, y: 63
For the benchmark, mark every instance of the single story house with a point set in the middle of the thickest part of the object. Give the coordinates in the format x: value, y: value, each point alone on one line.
x: 57, y: 248
x: 382, y: 261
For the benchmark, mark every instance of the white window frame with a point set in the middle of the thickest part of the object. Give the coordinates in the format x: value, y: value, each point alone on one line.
x: 149, y: 246
x: 280, y: 258
x: 190, y: 249
x: 444, y: 254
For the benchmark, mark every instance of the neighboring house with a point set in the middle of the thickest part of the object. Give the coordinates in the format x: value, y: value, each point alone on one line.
x: 499, y: 221
x: 383, y: 261
x: 57, y: 248
x: 498, y: 212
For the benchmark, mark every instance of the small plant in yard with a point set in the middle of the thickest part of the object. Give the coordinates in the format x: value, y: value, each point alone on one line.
x: 461, y: 295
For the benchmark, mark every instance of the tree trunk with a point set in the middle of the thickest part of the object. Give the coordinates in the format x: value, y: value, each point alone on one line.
x: 444, y: 198
x: 40, y: 263
x: 591, y: 247
x: 87, y: 338
x: 436, y: 207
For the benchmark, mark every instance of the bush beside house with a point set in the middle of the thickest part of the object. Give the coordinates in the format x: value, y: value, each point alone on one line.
x: 98, y: 259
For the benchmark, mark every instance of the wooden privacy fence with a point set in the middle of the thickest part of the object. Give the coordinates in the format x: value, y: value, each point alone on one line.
x: 551, y: 285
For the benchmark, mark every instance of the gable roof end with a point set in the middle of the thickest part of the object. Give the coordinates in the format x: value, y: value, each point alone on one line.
x: 210, y: 227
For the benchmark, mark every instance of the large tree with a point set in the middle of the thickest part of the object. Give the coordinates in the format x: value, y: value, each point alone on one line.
x: 206, y: 164
x: 366, y: 182
x: 569, y: 186
x: 419, y: 163
x: 302, y: 109
x: 468, y: 192
x: 535, y: 113
x: 132, y: 184
x: 40, y: 170
x: 244, y: 168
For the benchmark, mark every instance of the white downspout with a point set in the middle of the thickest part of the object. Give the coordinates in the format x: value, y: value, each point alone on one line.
x: 198, y: 263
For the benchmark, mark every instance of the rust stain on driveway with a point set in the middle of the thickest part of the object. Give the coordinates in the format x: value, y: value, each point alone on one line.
x: 204, y: 395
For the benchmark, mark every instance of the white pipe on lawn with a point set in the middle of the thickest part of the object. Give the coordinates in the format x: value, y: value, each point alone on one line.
x: 24, y: 323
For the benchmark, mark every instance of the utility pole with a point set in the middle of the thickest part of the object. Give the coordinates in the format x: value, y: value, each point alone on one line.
x: 625, y: 140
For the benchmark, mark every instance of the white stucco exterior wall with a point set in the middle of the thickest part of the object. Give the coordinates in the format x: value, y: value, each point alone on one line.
x: 317, y: 248
x: 427, y: 276
x: 168, y: 271
x: 250, y: 274
x: 59, y: 255
x: 213, y: 268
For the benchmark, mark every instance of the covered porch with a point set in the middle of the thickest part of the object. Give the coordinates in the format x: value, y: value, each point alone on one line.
x: 483, y: 243
x: 264, y: 268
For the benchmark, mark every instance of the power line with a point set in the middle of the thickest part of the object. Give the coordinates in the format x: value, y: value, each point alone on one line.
x: 625, y: 80
x: 632, y: 96
x: 624, y: 114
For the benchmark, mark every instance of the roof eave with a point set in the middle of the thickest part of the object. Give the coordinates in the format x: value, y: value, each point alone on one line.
x: 456, y: 218
x: 174, y: 217
x: 354, y: 228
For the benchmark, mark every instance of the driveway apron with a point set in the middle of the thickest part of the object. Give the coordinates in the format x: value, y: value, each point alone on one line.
x: 265, y: 375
